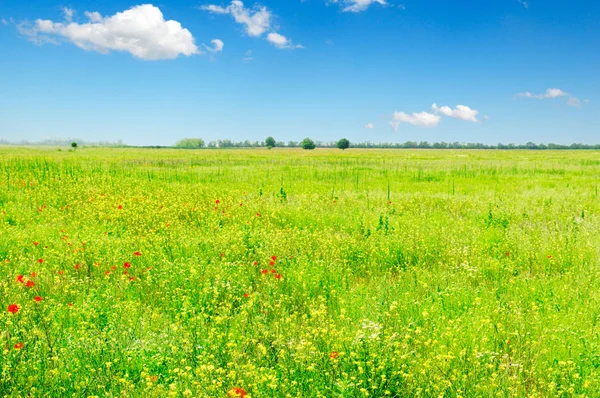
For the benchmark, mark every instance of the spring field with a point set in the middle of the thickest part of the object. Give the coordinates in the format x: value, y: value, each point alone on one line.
x: 291, y: 273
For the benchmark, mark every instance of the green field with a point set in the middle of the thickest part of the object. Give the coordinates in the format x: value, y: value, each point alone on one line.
x: 400, y: 273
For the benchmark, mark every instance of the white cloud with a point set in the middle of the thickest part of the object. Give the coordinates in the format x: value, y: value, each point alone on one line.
x: 256, y: 21
x: 4, y: 21
x: 217, y: 46
x: 280, y: 41
x: 68, y: 14
x: 553, y: 93
x: 524, y: 3
x: 93, y: 16
x: 357, y: 5
x: 422, y: 119
x: 370, y: 126
x: 461, y: 112
x: 142, y: 31
x: 550, y: 93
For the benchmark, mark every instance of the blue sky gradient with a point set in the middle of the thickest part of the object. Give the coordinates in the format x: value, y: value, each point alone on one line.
x: 355, y: 68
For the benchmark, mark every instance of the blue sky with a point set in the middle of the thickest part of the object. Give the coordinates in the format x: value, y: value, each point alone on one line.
x: 368, y: 70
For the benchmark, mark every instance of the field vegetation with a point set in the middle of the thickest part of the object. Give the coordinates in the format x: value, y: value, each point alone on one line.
x: 291, y: 273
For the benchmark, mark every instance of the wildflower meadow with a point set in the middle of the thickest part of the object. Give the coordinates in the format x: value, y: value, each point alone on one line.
x: 289, y: 273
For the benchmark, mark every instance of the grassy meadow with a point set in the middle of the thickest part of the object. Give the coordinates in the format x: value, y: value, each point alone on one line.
x: 291, y: 273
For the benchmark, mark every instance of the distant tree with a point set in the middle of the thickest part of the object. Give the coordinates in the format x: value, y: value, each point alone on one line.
x: 292, y: 144
x: 308, y: 144
x: 73, y: 145
x: 225, y: 144
x: 270, y: 142
x: 343, y: 144
x: 190, y: 143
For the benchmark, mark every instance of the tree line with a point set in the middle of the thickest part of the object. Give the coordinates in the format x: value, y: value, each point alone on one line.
x: 307, y: 143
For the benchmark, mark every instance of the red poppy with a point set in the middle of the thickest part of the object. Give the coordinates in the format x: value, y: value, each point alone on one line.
x: 241, y: 204
x: 390, y: 202
x: 335, y: 201
x: 77, y: 266
x: 273, y: 271
x: 273, y: 258
x: 41, y: 260
x: 278, y: 276
x: 257, y: 214
x: 36, y: 243
x: 114, y: 267
x: 334, y: 355
x: 13, y: 308
x: 33, y: 274
x: 264, y: 271
x: 237, y: 392
x: 255, y: 263
x: 127, y: 265
x: 125, y: 272
x: 38, y: 298
x: 61, y: 272
x: 507, y: 254
x: 70, y: 304
x: 246, y: 295
x: 271, y: 262
x: 137, y: 254
x: 107, y: 273
x: 222, y: 254
x: 20, y: 279
x: 18, y: 346
x: 217, y: 201
x: 131, y: 278
x: 120, y: 207
x: 30, y: 284
x: 549, y: 257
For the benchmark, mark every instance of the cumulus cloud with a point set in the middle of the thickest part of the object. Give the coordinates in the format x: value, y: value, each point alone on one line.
x: 370, y: 126
x: 280, y: 41
x: 256, y: 21
x: 422, y: 119
x: 142, y: 31
x: 427, y: 119
x: 461, y: 112
x: 217, y: 46
x: 357, y: 5
x: 552, y: 93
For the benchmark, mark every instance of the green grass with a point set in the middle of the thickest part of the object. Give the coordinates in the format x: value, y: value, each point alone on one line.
x: 404, y: 273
